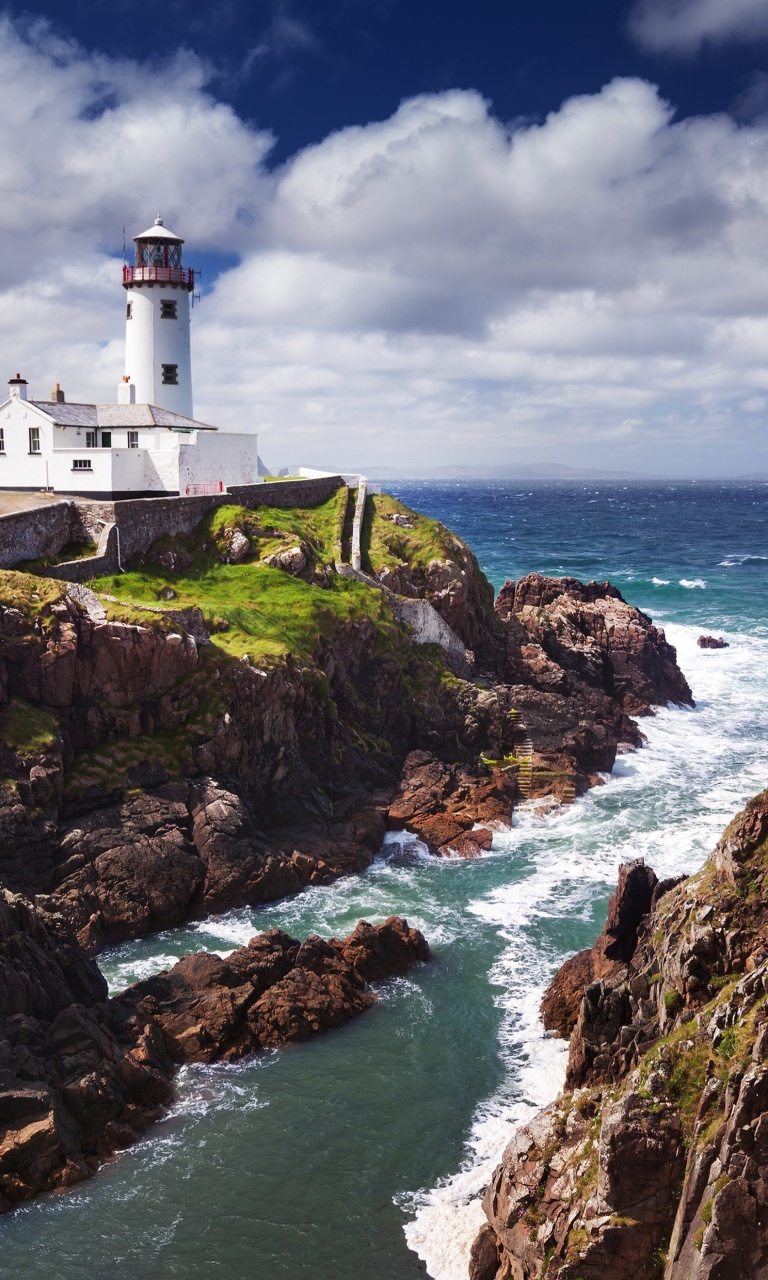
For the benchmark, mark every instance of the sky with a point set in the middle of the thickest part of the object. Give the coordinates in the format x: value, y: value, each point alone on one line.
x: 433, y: 233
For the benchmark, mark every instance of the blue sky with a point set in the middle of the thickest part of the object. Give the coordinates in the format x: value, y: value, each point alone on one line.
x: 431, y: 232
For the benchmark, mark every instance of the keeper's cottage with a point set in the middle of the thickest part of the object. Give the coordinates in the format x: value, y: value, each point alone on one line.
x: 148, y: 442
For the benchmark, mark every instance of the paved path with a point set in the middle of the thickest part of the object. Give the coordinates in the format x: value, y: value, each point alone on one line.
x: 11, y: 501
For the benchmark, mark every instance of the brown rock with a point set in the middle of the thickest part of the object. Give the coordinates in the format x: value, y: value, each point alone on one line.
x: 75, y: 1082
x: 273, y: 991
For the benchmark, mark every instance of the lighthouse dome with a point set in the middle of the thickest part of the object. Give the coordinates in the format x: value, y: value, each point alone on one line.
x: 159, y: 232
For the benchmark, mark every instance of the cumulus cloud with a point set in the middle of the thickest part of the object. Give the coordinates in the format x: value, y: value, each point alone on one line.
x: 433, y: 288
x: 682, y: 26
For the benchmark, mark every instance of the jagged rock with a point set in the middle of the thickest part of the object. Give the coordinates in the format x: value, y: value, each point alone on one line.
x: 441, y: 804
x: 590, y: 630
x: 615, y: 947
x: 293, y: 560
x: 671, y: 1045
x: 712, y: 642
x: 238, y: 868
x: 484, y: 1257
x: 77, y: 1081
x: 238, y: 548
x: 273, y: 991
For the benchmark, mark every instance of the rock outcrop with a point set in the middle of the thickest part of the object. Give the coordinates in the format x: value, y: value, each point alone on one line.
x: 78, y: 1077
x: 655, y: 1159
x: 82, y: 1075
x: 171, y: 780
x: 274, y: 991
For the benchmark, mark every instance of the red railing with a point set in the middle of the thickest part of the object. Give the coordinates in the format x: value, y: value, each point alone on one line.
x: 207, y: 486
x: 163, y: 275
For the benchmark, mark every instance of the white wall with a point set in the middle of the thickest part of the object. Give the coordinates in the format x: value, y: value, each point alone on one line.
x: 151, y: 342
x: 222, y: 455
x: 18, y: 468
x: 161, y: 469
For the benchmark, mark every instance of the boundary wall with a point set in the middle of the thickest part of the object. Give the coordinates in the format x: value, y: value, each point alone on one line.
x: 40, y: 531
x: 130, y: 525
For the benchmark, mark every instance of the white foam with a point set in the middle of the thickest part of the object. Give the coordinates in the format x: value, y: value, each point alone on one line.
x: 660, y: 582
x: 693, y: 582
x: 668, y: 803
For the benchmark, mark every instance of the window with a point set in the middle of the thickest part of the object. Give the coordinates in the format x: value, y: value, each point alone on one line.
x: 170, y: 375
x: 167, y: 310
x: 34, y: 439
x: 129, y: 311
x: 91, y: 440
x: 81, y: 464
x: 106, y: 439
x: 133, y: 439
x: 2, y: 439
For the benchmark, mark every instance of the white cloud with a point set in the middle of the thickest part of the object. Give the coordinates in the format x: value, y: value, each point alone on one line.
x: 682, y: 26
x: 429, y: 289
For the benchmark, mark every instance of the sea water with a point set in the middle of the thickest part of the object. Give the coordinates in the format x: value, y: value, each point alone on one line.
x: 367, y: 1149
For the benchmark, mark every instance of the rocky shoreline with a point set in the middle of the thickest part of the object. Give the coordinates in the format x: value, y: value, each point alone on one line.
x: 83, y: 1075
x: 654, y: 1161
x: 150, y: 777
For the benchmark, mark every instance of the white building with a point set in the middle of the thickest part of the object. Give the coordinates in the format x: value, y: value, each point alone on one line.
x: 147, y: 443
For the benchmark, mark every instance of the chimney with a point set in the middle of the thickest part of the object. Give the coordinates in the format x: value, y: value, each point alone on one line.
x: 18, y: 386
x: 126, y: 392
x: 57, y: 395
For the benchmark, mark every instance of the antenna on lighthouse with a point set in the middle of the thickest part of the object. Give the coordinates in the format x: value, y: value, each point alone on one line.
x: 123, y: 246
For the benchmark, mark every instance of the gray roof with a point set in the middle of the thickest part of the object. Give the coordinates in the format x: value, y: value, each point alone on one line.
x: 118, y: 415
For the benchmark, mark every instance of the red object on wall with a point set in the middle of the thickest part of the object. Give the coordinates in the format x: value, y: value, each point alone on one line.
x: 205, y: 486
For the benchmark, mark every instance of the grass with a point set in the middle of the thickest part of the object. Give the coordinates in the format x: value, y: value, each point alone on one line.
x: 32, y: 596
x: 672, y: 1002
x: 266, y: 612
x: 252, y: 608
x: 27, y: 729
x: 387, y: 545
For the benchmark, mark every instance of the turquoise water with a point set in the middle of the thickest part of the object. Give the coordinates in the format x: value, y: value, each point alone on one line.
x: 366, y: 1150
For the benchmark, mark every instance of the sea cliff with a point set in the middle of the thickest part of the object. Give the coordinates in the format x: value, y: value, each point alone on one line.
x: 653, y: 1162
x: 233, y: 720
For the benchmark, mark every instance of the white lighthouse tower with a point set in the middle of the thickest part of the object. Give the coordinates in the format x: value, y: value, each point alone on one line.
x: 158, y: 367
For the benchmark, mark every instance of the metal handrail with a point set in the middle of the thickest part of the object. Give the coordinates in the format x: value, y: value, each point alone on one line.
x: 163, y: 275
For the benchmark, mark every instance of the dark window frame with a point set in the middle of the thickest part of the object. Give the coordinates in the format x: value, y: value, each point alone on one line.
x: 170, y: 375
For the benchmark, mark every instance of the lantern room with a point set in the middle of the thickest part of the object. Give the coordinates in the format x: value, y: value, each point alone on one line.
x: 158, y: 257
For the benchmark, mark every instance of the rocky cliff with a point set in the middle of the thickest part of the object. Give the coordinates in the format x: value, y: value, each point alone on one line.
x: 229, y: 722
x: 654, y: 1161
x: 150, y: 775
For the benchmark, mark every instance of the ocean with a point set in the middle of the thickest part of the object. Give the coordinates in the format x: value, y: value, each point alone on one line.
x: 368, y: 1148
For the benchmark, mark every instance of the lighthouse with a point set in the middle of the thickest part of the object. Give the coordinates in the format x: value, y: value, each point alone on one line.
x: 158, y: 367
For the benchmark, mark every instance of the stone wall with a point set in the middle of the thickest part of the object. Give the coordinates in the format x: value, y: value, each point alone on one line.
x: 28, y: 535
x: 134, y: 523
x: 105, y: 561
x: 141, y: 520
